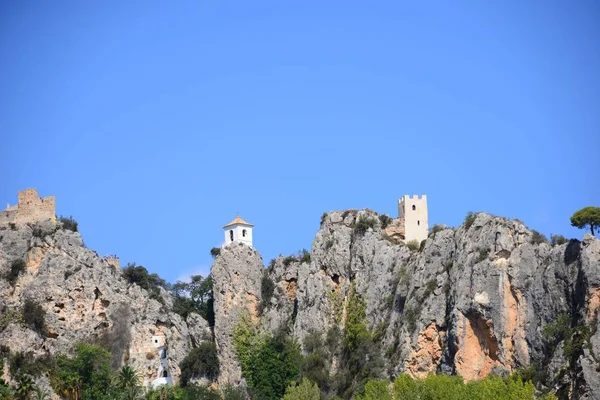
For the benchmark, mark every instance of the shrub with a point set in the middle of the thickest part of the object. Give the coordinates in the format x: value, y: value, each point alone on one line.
x: 230, y: 392
x: 13, y: 226
x: 306, y: 390
x: 557, y: 330
x: 200, y: 362
x: 16, y: 268
x: 385, y: 220
x: 289, y: 260
x: 267, y: 288
x: 448, y: 265
x: 69, y: 223
x: 410, y: 316
x: 483, y: 254
x: 9, y: 316
x: 429, y: 288
x: 422, y: 245
x: 140, y: 276
x: 537, y: 238
x: 469, y: 219
x: 215, y: 251
x: 323, y: 217
x: 150, y: 355
x: 413, y: 245
x: 363, y: 224
x: 304, y: 256
x: 34, y: 316
x: 27, y: 363
x: 557, y: 240
x: 436, y: 228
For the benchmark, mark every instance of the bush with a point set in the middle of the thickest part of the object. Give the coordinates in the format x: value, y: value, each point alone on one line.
x: 448, y: 265
x: 385, y: 220
x: 483, y: 254
x: 215, y: 251
x: 469, y: 219
x: 436, y: 228
x: 34, y: 316
x: 557, y: 331
x: 9, y: 316
x: 17, y: 267
x: 306, y: 390
x: 140, y: 276
x: 410, y: 316
x: 363, y: 224
x: 267, y: 288
x: 304, y: 256
x: 288, y: 260
x: 323, y: 217
x: 429, y: 288
x: 557, y: 240
x: 413, y: 245
x: 200, y: 362
x: 422, y: 245
x: 69, y: 223
x: 537, y: 238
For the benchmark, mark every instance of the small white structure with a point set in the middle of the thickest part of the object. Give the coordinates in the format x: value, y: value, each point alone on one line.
x: 238, y: 230
x: 413, y: 210
x: 163, y: 375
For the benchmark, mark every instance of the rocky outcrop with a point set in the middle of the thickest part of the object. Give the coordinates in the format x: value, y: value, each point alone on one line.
x: 237, y: 274
x: 86, y: 299
x: 473, y: 301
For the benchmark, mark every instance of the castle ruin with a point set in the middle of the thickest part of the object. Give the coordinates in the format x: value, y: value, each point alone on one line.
x: 30, y: 208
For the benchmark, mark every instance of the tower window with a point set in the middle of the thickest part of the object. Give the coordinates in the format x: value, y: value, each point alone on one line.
x: 231, y: 235
x: 165, y: 374
x: 243, y: 232
x: 418, y: 222
x: 414, y: 207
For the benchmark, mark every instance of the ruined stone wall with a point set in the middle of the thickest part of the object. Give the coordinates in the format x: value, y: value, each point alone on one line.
x: 31, y: 208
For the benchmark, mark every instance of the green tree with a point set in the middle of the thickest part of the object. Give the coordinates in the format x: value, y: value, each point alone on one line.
x: 376, y: 389
x: 202, y: 361
x: 195, y: 296
x: 306, y: 390
x: 269, y: 364
x: 127, y: 378
x: 87, y: 376
x: 587, y: 216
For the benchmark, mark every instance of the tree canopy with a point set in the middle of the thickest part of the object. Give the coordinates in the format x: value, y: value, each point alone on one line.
x: 587, y: 216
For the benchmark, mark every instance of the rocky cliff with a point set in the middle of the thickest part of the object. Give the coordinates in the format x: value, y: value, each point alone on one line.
x: 488, y: 297
x: 85, y: 299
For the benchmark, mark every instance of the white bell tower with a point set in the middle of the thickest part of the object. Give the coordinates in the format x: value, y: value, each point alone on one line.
x: 238, y: 230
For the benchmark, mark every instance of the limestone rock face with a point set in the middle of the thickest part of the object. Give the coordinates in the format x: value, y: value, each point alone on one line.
x: 85, y: 298
x: 237, y: 274
x: 473, y: 300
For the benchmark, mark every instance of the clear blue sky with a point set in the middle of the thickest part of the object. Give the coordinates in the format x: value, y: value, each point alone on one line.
x: 153, y: 123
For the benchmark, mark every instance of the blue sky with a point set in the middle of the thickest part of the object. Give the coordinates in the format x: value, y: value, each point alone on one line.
x: 153, y: 123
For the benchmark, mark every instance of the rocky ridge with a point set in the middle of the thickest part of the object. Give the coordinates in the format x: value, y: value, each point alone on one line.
x: 86, y: 299
x: 473, y: 301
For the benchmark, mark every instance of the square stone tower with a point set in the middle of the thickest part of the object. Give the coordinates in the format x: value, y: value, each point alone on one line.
x: 413, y: 211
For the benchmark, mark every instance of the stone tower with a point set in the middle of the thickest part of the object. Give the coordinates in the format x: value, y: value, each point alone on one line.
x: 238, y: 230
x: 413, y: 211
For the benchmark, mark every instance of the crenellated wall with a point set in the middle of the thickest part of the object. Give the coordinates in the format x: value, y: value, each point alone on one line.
x: 30, y: 208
